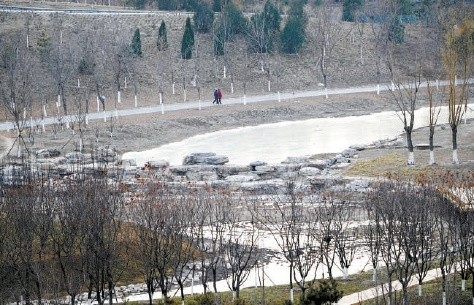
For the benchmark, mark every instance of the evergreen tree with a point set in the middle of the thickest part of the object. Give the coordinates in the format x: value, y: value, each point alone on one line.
x: 162, y: 42
x: 396, y: 32
x: 167, y: 5
x: 292, y: 36
x: 44, y: 46
x: 272, y: 16
x: 349, y: 7
x: 322, y: 292
x: 234, y: 20
x: 187, y: 43
x: 136, y: 46
x: 203, y: 18
x: 217, y: 5
x: 219, y: 39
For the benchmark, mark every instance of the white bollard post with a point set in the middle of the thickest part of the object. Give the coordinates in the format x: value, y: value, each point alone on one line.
x: 78, y: 82
x: 98, y: 104
x: 105, y: 116
x: 437, y: 84
x: 378, y: 89
x: 136, y: 101
x: 173, y: 89
x: 125, y: 85
x: 279, y: 97
x: 232, y: 88
x: 119, y: 97
x: 162, y: 109
x: 44, y: 111
x: 326, y: 92
x: 161, y: 98
x: 245, y: 100
x: 269, y: 86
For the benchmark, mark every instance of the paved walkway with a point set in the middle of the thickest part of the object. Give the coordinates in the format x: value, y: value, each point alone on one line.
x: 163, y: 108
x: 371, y: 293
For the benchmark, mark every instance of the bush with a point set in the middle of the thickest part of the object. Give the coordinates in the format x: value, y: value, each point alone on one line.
x: 321, y: 292
x: 204, y: 299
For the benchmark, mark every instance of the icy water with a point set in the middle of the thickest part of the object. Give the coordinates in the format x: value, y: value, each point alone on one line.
x: 273, y: 143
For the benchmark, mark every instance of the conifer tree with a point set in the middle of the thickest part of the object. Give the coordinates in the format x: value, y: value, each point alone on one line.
x: 187, y: 43
x: 162, y: 42
x: 136, y: 45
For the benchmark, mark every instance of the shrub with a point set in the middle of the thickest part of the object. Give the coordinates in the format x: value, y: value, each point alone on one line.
x: 321, y: 292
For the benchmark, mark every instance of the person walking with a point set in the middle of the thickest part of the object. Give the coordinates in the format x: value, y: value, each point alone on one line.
x: 219, y: 96
x: 215, y: 101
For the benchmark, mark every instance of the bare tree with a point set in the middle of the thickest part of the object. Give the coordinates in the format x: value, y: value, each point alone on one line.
x: 241, y: 246
x: 328, y: 33
x: 16, y: 83
x: 105, y: 244
x: 406, y: 99
x: 434, y: 99
x: 458, y: 53
x: 284, y: 220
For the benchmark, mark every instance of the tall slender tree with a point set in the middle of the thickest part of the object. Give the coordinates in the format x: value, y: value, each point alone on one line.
x: 187, y: 43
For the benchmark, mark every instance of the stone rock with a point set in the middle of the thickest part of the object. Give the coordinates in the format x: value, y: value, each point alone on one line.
x: 254, y: 164
x: 205, y: 158
x: 295, y: 160
x: 74, y: 157
x: 349, y: 153
x: 244, y: 177
x: 196, y: 158
x: 320, y: 164
x: 48, y: 153
x: 158, y: 164
x: 216, y: 160
x: 309, y: 171
x: 265, y: 168
x: 106, y: 154
x: 358, y: 147
x: 127, y: 163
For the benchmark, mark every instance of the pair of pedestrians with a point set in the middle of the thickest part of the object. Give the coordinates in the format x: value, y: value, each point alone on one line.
x: 217, y: 96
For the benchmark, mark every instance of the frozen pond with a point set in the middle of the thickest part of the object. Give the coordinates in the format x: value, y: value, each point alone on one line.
x: 275, y: 142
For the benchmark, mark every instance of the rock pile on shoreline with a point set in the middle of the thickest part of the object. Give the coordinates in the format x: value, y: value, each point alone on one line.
x: 200, y: 169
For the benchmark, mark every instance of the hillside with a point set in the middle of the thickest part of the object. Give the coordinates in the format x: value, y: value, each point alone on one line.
x: 351, y: 62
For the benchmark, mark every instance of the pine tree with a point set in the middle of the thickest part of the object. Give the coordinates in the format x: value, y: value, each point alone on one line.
x: 292, y: 36
x: 397, y: 31
x: 349, y: 7
x: 187, y: 43
x: 136, y: 46
x: 162, y: 42
x: 203, y: 18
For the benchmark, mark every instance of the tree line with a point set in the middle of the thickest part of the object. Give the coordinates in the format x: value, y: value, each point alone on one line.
x: 89, y: 233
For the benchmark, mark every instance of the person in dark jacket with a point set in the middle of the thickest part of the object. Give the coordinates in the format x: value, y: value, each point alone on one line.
x: 215, y: 101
